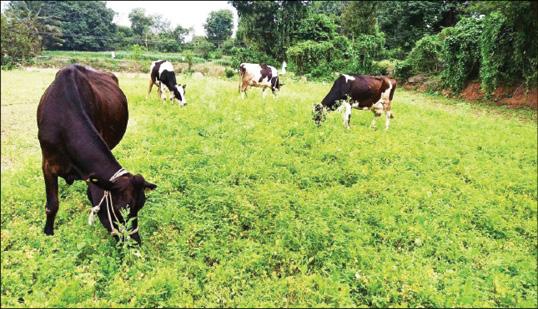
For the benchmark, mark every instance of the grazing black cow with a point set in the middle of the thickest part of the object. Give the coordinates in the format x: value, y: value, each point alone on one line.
x: 162, y: 74
x: 82, y: 116
x: 361, y: 92
x: 258, y: 75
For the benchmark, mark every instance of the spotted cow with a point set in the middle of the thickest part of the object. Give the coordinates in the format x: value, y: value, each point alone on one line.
x: 162, y: 74
x: 258, y: 75
x: 361, y: 92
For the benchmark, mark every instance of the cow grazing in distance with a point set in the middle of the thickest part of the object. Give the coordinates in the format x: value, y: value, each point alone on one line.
x: 361, y: 92
x: 82, y: 116
x: 258, y: 75
x: 162, y: 74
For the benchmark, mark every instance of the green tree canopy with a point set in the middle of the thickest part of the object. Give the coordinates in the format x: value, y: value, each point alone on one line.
x: 218, y: 26
x: 84, y: 25
x: 269, y: 26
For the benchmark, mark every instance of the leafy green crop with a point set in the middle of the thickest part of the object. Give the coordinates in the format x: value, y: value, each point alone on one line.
x: 256, y: 206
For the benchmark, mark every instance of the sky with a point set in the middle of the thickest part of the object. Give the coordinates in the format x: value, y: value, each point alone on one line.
x: 185, y: 13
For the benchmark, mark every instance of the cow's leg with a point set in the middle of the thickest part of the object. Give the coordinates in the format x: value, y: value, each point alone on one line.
x: 149, y: 89
x: 388, y: 114
x: 163, y: 93
x: 159, y: 90
x: 51, y: 208
x: 243, y: 89
x: 347, y: 114
x: 373, y: 124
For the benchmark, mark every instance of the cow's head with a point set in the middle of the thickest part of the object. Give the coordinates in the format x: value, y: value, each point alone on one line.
x: 179, y: 94
x: 128, y: 192
x: 275, y: 84
x: 319, y: 113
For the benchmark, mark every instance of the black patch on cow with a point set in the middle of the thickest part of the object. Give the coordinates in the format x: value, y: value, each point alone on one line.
x: 364, y: 89
x: 155, y: 71
x: 265, y: 72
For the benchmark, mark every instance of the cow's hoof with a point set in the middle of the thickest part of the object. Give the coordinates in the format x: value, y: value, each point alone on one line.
x: 49, y: 231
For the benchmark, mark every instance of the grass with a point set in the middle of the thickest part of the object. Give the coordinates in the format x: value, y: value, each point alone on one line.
x: 255, y: 206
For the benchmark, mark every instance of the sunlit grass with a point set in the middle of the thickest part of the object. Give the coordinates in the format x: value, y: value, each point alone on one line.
x: 255, y: 206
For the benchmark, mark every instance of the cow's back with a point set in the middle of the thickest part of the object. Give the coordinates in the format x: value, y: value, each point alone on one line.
x: 80, y: 93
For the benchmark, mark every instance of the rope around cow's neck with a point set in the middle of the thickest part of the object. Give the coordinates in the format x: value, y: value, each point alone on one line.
x: 107, y: 198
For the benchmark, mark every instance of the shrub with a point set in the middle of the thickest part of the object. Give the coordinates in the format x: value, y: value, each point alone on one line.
x: 240, y: 55
x: 461, y: 52
x: 426, y: 56
x: 136, y: 52
x: 403, y: 69
x: 365, y: 49
x: 229, y: 72
x: 506, y: 54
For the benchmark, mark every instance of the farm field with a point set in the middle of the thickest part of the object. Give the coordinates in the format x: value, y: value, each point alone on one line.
x: 256, y: 207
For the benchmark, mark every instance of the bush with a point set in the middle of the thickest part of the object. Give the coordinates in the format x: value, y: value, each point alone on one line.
x: 426, y: 56
x: 402, y: 69
x: 136, y: 52
x: 19, y: 41
x: 229, y: 72
x: 365, y: 50
x: 506, y: 54
x: 384, y: 67
x: 240, y: 55
x: 461, y: 52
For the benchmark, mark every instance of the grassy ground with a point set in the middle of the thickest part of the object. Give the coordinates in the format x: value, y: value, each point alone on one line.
x: 258, y: 207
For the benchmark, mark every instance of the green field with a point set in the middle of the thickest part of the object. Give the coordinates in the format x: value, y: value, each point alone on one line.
x: 255, y: 206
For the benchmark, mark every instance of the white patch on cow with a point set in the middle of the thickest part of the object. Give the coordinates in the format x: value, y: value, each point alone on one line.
x: 347, y: 114
x: 348, y: 78
x: 387, y: 120
x: 164, y: 91
x: 182, y: 93
x: 166, y: 66
x: 355, y: 104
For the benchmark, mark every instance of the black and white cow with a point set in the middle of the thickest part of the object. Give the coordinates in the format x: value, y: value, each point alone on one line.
x: 162, y: 74
x: 361, y: 92
x: 258, y: 75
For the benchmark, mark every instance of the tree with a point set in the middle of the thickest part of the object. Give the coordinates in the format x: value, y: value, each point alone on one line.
x: 359, y: 17
x: 84, y: 25
x: 141, y: 24
x: 20, y: 40
x: 269, y: 27
x: 32, y: 13
x: 405, y: 22
x: 316, y: 27
x: 218, y: 26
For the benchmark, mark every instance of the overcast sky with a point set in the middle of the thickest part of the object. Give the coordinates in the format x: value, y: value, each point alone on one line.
x: 185, y: 13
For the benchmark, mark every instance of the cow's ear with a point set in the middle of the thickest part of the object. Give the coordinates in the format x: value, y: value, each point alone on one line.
x: 149, y: 186
x: 139, y: 182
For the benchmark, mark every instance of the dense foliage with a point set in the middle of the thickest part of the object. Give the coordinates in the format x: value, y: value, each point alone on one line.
x: 24, y: 45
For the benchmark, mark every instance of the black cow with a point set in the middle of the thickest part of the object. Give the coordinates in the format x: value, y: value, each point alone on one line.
x: 82, y: 116
x: 162, y: 74
x: 361, y: 92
